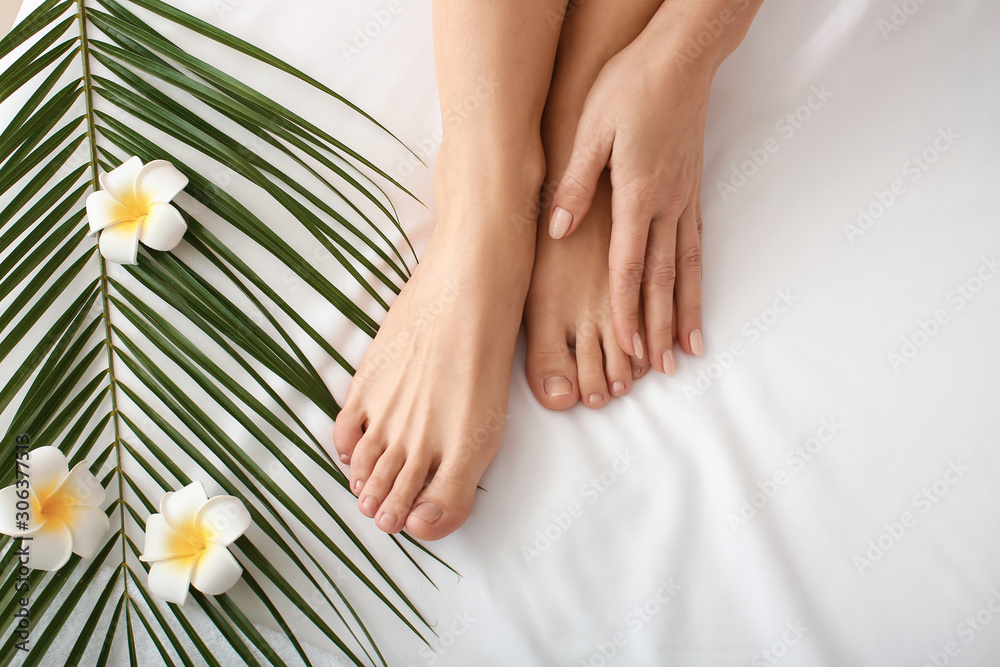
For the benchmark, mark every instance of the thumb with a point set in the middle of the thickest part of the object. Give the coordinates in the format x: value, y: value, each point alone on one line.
x: 575, y: 192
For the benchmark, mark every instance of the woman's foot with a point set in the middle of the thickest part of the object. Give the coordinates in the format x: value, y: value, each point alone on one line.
x: 428, y: 402
x: 572, y: 351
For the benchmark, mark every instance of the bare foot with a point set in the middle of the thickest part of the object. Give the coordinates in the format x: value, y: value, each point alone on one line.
x: 430, y: 397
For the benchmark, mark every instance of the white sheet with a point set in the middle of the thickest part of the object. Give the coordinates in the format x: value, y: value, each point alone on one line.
x: 878, y: 544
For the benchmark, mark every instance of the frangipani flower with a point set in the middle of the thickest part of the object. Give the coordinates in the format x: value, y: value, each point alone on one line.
x: 63, y: 514
x: 187, y: 543
x: 132, y: 206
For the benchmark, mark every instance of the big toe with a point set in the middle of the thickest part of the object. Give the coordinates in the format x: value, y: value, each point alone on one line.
x: 551, y: 369
x: 443, y: 505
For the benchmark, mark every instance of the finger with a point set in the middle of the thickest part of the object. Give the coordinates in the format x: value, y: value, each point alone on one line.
x: 688, y: 292
x: 658, y: 293
x: 626, y: 262
x: 575, y: 192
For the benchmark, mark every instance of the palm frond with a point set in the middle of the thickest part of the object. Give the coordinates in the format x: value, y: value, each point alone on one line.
x: 187, y: 364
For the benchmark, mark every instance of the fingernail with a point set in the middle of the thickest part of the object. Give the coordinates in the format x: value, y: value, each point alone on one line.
x: 618, y: 388
x: 636, y: 372
x: 369, y: 504
x: 668, y: 363
x: 387, y: 521
x: 560, y: 222
x: 557, y: 386
x: 697, y: 343
x: 345, y: 459
x: 596, y: 399
x: 357, y: 486
x: 429, y: 512
x: 637, y: 345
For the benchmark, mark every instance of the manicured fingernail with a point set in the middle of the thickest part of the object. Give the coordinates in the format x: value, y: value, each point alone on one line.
x: 557, y: 386
x: 387, y: 521
x: 345, y: 459
x: 596, y: 399
x: 668, y: 363
x: 357, y: 487
x: 560, y: 222
x: 429, y: 512
x: 637, y: 345
x: 636, y: 372
x: 369, y: 504
x: 697, y: 342
x: 618, y: 388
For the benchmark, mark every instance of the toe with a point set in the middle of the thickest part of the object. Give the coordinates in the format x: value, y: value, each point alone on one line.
x: 590, y: 365
x: 392, y: 515
x: 347, y: 430
x: 443, y: 505
x: 381, y: 480
x: 617, y: 366
x: 551, y: 368
x: 363, y: 461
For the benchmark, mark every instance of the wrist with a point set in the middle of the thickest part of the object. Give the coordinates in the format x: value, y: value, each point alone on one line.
x: 698, y: 34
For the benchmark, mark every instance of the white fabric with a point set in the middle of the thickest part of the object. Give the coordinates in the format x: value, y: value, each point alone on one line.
x: 859, y: 410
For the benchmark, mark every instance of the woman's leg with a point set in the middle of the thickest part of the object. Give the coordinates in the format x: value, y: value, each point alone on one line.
x: 430, y: 397
x: 572, y: 351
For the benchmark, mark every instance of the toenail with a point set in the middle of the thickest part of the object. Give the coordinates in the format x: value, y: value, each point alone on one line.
x: 345, y: 459
x: 558, y: 386
x: 596, y: 399
x: 369, y: 504
x: 561, y: 220
x: 697, y: 342
x: 636, y: 371
x: 387, y: 521
x: 429, y: 512
x: 637, y: 345
x: 357, y: 486
x: 618, y: 388
x: 668, y: 363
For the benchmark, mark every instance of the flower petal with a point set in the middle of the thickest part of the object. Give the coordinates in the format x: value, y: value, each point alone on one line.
x: 216, y: 571
x: 120, y: 243
x: 179, y: 508
x: 169, y: 579
x: 162, y: 228
x: 104, y: 210
x: 8, y: 512
x: 159, y: 181
x: 50, y: 546
x: 87, y: 525
x: 120, y: 181
x: 80, y: 487
x: 163, y: 542
x: 222, y: 519
x: 46, y: 468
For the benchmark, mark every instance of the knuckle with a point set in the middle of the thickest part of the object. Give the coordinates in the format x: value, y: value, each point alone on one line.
x: 691, y: 258
x: 572, y: 188
x: 660, y: 275
x: 629, y: 272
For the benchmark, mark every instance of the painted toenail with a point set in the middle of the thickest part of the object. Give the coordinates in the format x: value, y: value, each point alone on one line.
x: 429, y: 512
x: 558, y: 386
x: 369, y: 504
x: 618, y: 388
x: 697, y: 343
x: 637, y: 345
x: 357, y: 487
x: 636, y: 371
x: 668, y: 363
x: 560, y: 222
x: 596, y: 399
x: 387, y: 521
x: 345, y: 459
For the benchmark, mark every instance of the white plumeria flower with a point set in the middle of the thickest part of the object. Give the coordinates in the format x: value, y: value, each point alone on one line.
x: 132, y: 206
x: 187, y: 543
x: 63, y: 514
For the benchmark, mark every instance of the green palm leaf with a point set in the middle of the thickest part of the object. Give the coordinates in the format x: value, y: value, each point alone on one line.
x: 185, y: 365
